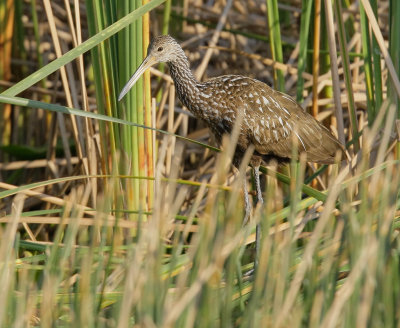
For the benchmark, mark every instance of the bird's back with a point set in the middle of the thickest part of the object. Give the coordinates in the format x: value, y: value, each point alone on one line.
x: 272, y: 120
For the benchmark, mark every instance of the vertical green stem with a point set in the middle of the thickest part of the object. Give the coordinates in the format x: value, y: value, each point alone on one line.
x: 141, y: 157
x: 325, y: 60
x: 166, y: 17
x: 165, y: 30
x: 276, y: 44
x: 347, y: 73
x: 304, y: 28
x: 367, y: 55
x: 394, y: 49
x: 376, y: 53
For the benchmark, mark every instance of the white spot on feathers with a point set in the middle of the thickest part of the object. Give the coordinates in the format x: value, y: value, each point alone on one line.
x: 301, y: 140
x: 286, y: 131
x: 288, y: 98
x: 257, y: 133
x: 275, y: 103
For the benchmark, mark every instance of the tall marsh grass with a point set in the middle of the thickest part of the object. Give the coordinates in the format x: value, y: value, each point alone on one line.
x: 121, y: 215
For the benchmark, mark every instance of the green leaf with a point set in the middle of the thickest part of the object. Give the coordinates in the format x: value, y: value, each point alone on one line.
x: 82, y: 48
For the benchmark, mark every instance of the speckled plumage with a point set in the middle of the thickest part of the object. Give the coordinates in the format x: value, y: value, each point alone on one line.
x: 270, y: 118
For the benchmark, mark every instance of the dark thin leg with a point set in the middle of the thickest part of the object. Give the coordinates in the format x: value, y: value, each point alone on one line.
x: 246, y: 217
x: 246, y: 202
x: 260, y: 201
x: 256, y: 171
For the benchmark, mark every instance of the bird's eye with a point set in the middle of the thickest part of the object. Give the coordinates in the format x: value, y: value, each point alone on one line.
x: 160, y: 49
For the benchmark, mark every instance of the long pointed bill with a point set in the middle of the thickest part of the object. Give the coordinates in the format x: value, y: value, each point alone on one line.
x: 147, y: 63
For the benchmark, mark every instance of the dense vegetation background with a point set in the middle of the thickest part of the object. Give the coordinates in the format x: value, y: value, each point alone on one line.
x: 120, y: 214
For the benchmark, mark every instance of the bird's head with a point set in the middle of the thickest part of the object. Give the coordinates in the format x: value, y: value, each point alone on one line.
x: 162, y: 49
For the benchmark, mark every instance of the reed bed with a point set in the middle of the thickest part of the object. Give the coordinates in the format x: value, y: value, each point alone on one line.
x: 125, y: 214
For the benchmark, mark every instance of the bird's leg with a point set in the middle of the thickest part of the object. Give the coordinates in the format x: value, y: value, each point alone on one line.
x: 246, y: 202
x: 246, y: 219
x: 256, y: 171
x: 259, y: 201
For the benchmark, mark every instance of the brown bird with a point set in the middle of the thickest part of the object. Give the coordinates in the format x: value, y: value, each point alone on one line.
x: 270, y: 119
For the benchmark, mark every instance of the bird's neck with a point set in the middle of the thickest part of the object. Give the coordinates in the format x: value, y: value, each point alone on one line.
x: 185, y: 82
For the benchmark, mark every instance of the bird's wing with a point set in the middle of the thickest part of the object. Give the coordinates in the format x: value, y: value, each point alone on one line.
x: 272, y: 121
x: 275, y: 122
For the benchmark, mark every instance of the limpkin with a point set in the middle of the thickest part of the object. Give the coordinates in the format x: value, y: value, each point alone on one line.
x: 270, y: 119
